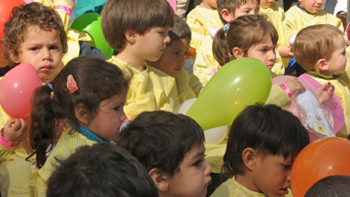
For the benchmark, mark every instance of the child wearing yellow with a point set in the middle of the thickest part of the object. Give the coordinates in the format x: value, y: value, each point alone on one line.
x: 200, y: 19
x: 34, y: 34
x: 321, y: 51
x: 229, y: 11
x: 140, y: 33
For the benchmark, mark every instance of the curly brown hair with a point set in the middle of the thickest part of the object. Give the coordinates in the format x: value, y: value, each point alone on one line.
x: 25, y: 16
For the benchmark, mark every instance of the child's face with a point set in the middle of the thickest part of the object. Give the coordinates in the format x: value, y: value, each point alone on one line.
x: 42, y: 49
x: 194, y: 176
x: 312, y: 6
x: 271, y: 175
x: 266, y: 3
x: 110, y: 116
x: 264, y: 51
x: 173, y: 58
x: 250, y: 8
x: 152, y: 43
x: 337, y: 62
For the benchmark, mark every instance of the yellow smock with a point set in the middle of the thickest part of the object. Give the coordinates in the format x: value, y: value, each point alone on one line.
x: 153, y: 89
x: 200, y: 20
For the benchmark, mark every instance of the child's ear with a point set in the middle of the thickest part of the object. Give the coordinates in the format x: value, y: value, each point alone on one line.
x: 13, y: 56
x: 237, y: 52
x: 322, y: 65
x: 130, y: 35
x: 160, y: 179
x: 82, y: 113
x: 249, y: 156
x: 226, y: 15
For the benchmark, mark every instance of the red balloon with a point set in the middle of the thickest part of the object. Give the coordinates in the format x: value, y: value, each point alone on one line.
x: 16, y: 90
x: 321, y: 158
x: 5, y: 10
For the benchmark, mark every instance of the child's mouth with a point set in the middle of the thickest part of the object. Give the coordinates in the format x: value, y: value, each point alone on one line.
x: 284, y: 191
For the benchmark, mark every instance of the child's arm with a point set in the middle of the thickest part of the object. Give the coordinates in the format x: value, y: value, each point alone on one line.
x: 325, y: 93
x: 285, y: 51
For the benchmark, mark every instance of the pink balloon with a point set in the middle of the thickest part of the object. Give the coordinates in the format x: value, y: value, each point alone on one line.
x: 310, y: 83
x: 16, y: 90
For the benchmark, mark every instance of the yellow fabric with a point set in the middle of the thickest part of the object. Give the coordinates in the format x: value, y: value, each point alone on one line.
x: 346, y: 75
x: 275, y: 14
x: 232, y: 188
x: 17, y: 176
x: 296, y: 19
x: 154, y: 90
x: 205, y: 62
x: 73, y: 36
x: 341, y: 90
x: 66, y: 145
x: 199, y: 20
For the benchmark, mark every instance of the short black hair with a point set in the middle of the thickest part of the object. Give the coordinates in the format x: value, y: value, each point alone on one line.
x: 101, y: 170
x: 332, y: 186
x: 161, y: 139
x: 180, y: 30
x: 267, y: 129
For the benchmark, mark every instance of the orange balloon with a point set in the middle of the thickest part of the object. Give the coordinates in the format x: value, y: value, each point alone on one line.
x: 321, y: 158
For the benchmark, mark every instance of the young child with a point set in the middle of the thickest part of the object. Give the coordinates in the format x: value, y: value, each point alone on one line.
x: 139, y: 30
x: 94, y: 111
x: 263, y: 142
x: 34, y: 34
x: 200, y: 19
x: 173, y: 59
x: 332, y: 186
x: 229, y: 10
x: 171, y: 148
x: 101, y: 170
x: 320, y: 50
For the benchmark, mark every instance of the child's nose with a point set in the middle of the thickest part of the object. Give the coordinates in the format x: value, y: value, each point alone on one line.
x: 46, y: 53
x: 167, y: 39
x: 207, y: 169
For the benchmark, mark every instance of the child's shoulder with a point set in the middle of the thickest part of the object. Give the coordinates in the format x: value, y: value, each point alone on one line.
x: 232, y: 188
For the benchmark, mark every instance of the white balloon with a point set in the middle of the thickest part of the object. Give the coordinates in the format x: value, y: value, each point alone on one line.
x: 212, y: 136
x: 291, y: 40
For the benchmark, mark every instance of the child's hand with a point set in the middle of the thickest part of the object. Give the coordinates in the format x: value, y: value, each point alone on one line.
x: 325, y: 93
x: 15, y: 130
x: 294, y: 85
x: 285, y: 51
x: 69, y: 2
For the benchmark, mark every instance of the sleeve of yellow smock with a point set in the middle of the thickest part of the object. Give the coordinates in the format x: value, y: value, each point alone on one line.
x: 346, y: 75
x: 185, y: 91
x: 199, y: 20
x: 278, y: 97
x: 205, y: 61
x: 195, y: 84
x: 5, y: 153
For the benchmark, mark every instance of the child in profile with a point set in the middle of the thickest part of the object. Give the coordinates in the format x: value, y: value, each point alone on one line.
x: 102, y: 169
x: 171, y: 148
x: 264, y: 141
x: 332, y: 186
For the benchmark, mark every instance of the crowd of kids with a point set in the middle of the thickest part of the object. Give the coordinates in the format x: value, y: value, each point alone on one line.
x: 106, y: 127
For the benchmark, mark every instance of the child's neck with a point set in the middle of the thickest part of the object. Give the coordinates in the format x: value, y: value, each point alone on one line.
x: 132, y: 59
x: 247, y: 182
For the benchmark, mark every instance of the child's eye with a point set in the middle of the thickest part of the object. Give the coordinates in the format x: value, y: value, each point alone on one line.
x: 117, y: 108
x: 34, y: 48
x: 199, y: 162
x: 185, y: 53
x: 286, y: 166
x: 175, y: 53
x: 53, y: 47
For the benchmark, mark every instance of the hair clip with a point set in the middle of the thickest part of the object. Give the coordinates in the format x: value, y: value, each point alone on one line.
x: 71, y: 84
x: 48, y: 83
x: 226, y: 27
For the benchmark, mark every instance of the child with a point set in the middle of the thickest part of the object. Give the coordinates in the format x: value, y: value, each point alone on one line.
x: 94, y: 111
x: 34, y: 34
x: 320, y: 50
x: 332, y: 186
x: 229, y: 10
x: 173, y: 59
x: 171, y: 148
x: 101, y: 170
x: 200, y: 19
x: 139, y: 30
x: 263, y: 142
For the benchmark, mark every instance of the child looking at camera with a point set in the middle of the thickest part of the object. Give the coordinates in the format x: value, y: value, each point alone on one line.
x: 264, y: 141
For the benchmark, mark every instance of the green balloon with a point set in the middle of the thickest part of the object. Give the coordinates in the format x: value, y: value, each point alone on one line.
x: 91, y: 23
x: 238, y: 84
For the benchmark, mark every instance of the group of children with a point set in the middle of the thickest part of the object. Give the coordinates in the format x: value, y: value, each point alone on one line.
x: 67, y: 146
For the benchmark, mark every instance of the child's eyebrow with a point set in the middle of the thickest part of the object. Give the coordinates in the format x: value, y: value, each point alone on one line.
x: 200, y: 154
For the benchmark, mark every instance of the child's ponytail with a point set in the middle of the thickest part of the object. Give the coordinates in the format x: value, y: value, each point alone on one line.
x: 43, y: 123
x: 220, y: 47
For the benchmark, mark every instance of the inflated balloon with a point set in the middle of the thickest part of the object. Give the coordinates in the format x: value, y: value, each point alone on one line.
x: 16, y: 90
x: 311, y: 84
x: 91, y: 23
x: 5, y: 10
x: 321, y: 158
x: 238, y: 84
x: 212, y: 136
